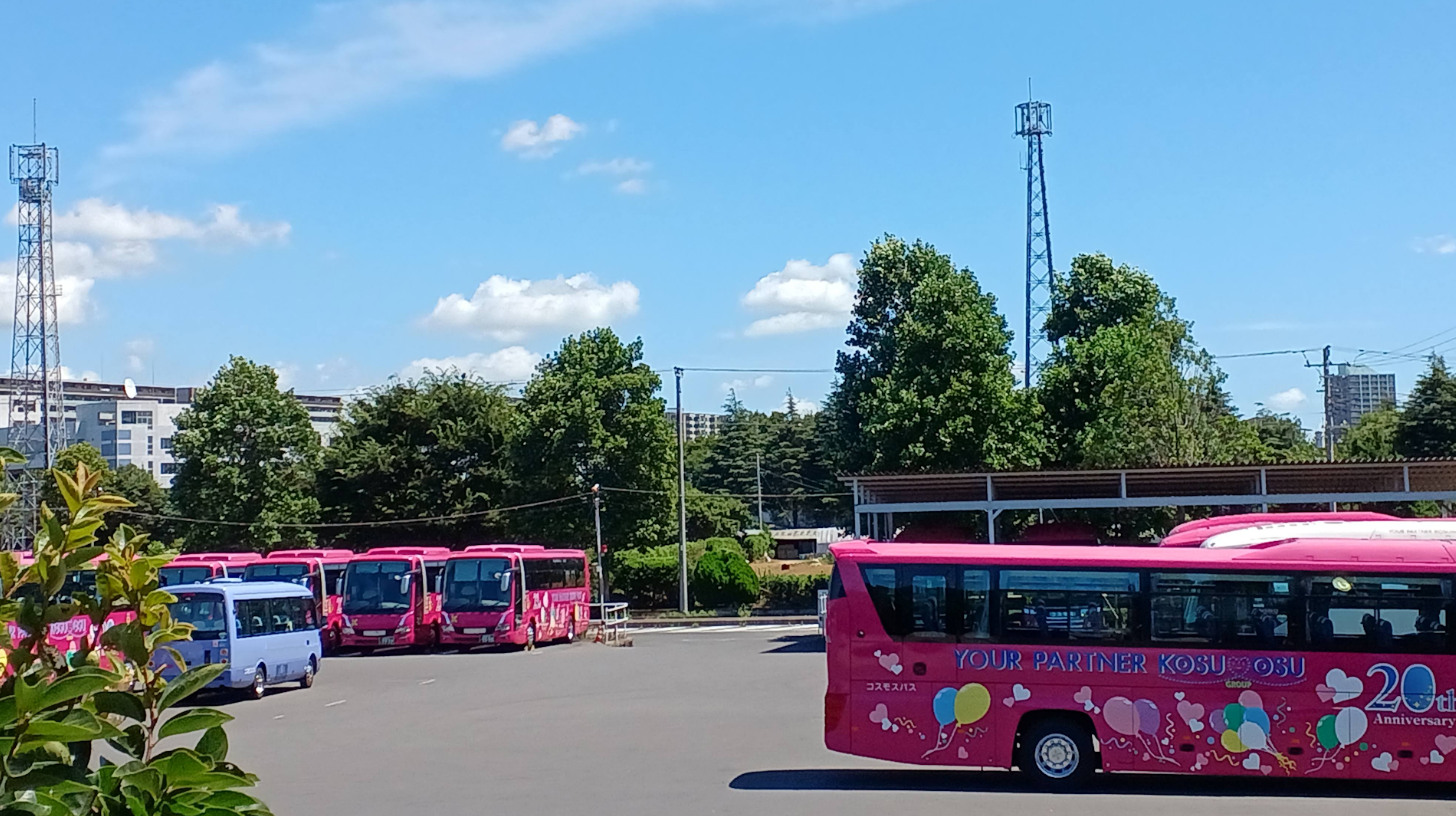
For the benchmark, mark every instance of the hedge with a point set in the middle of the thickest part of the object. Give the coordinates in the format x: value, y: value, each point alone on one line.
x: 792, y: 591
x: 647, y: 578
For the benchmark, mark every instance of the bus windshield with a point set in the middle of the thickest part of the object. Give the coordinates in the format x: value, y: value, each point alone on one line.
x: 172, y: 576
x: 292, y: 573
x: 477, y: 585
x: 372, y: 587
x: 204, y: 610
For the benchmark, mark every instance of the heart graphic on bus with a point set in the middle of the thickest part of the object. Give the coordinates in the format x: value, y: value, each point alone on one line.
x: 1339, y: 687
x: 1446, y: 743
x: 890, y: 662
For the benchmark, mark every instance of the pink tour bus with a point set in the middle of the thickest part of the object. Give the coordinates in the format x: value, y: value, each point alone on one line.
x: 1303, y: 658
x: 515, y: 593
x: 1194, y: 533
x: 321, y: 571
x: 391, y: 597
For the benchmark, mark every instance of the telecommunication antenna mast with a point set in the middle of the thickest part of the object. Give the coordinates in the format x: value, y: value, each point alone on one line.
x: 37, y: 411
x: 1033, y: 121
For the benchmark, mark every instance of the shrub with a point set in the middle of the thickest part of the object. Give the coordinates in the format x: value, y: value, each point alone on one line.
x: 646, y: 578
x: 59, y: 704
x: 723, y: 579
x: 791, y: 591
x: 758, y: 547
x: 725, y: 545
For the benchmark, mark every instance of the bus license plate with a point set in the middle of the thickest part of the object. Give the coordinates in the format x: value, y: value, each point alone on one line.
x: 487, y: 638
x: 387, y: 640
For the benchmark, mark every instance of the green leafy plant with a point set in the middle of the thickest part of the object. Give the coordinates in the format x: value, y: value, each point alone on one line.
x: 55, y: 706
x: 723, y: 579
x: 797, y: 592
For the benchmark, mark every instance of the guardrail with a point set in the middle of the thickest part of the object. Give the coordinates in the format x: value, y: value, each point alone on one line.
x: 610, y: 620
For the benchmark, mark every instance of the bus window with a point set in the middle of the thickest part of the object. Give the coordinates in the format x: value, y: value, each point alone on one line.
x: 882, y: 585
x: 334, y: 578
x: 434, y: 572
x: 1241, y: 611
x: 204, y: 610
x: 1085, y: 607
x: 975, y: 604
x: 1378, y: 613
x: 253, y: 617
x: 172, y: 576
x: 926, y: 594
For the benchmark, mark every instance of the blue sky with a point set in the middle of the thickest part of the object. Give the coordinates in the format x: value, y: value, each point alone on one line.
x: 355, y: 190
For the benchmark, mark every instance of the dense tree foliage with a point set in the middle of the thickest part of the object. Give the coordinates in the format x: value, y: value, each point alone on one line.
x: 1372, y: 437
x: 248, y: 456
x: 129, y: 482
x: 436, y: 446
x: 926, y: 383
x: 1125, y: 384
x: 1282, y: 439
x: 1427, y: 425
x: 590, y: 416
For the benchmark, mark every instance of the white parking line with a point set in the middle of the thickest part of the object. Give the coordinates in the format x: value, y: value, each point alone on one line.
x: 334, y: 703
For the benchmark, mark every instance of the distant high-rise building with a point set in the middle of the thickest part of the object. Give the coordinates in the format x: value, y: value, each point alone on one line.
x: 1355, y: 391
x: 697, y: 425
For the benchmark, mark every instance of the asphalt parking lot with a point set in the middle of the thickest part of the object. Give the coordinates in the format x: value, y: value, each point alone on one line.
x: 722, y: 722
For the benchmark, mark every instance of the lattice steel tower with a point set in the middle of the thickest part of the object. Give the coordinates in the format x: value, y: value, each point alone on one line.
x: 37, y: 409
x: 1033, y: 121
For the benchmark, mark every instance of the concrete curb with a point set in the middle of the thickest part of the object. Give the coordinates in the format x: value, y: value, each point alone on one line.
x: 645, y: 623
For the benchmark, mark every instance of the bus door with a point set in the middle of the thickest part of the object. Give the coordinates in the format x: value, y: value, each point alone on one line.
x: 419, y: 596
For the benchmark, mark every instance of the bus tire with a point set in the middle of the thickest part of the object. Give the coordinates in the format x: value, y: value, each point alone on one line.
x: 1055, y: 752
x: 260, y: 683
x: 308, y: 673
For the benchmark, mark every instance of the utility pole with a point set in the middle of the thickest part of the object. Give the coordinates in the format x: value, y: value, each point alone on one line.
x: 1329, y: 425
x: 682, y: 500
x: 758, y: 479
x: 601, y: 553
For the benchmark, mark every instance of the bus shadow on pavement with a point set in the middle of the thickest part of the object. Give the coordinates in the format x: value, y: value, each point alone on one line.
x: 797, y: 644
x: 904, y: 780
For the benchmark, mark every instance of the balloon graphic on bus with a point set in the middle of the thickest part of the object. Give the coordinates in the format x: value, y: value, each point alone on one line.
x: 955, y: 708
x: 1137, y: 720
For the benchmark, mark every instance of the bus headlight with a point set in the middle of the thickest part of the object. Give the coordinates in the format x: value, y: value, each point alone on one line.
x: 447, y: 624
x: 504, y: 625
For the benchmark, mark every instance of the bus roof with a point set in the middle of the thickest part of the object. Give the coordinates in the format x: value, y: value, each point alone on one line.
x: 320, y: 553
x: 1303, y: 554
x: 233, y: 589
x: 529, y: 552
x: 1188, y: 534
x: 504, y: 548
x: 408, y: 551
x: 223, y: 557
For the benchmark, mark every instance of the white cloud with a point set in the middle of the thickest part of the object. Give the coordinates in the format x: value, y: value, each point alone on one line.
x: 1435, y: 245
x: 532, y: 141
x: 803, y: 297
x: 1286, y: 400
x: 632, y: 186
x: 356, y: 56
x: 508, y: 309
x: 67, y: 373
x: 761, y: 381
x: 514, y: 364
x: 801, y: 405
x: 138, y: 352
x: 624, y: 166
x: 96, y: 239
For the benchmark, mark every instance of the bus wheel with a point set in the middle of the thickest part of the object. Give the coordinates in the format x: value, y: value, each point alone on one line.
x: 260, y: 683
x: 308, y: 673
x: 1056, y: 752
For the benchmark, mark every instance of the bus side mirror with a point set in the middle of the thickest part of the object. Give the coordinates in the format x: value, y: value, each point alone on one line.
x: 505, y: 581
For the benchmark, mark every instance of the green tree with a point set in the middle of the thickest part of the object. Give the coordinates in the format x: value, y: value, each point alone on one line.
x: 148, y: 499
x: 712, y: 516
x: 1282, y: 438
x: 732, y: 455
x: 722, y: 578
x: 1372, y: 437
x: 927, y: 382
x: 590, y: 415
x: 1126, y: 384
x: 436, y: 446
x: 1427, y: 425
x: 248, y: 455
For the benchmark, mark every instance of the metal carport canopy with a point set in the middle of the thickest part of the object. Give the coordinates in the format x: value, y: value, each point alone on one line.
x: 1327, y: 483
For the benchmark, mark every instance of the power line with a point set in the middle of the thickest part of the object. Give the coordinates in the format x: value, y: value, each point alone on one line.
x: 726, y: 495
x: 764, y: 370
x: 1262, y: 353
